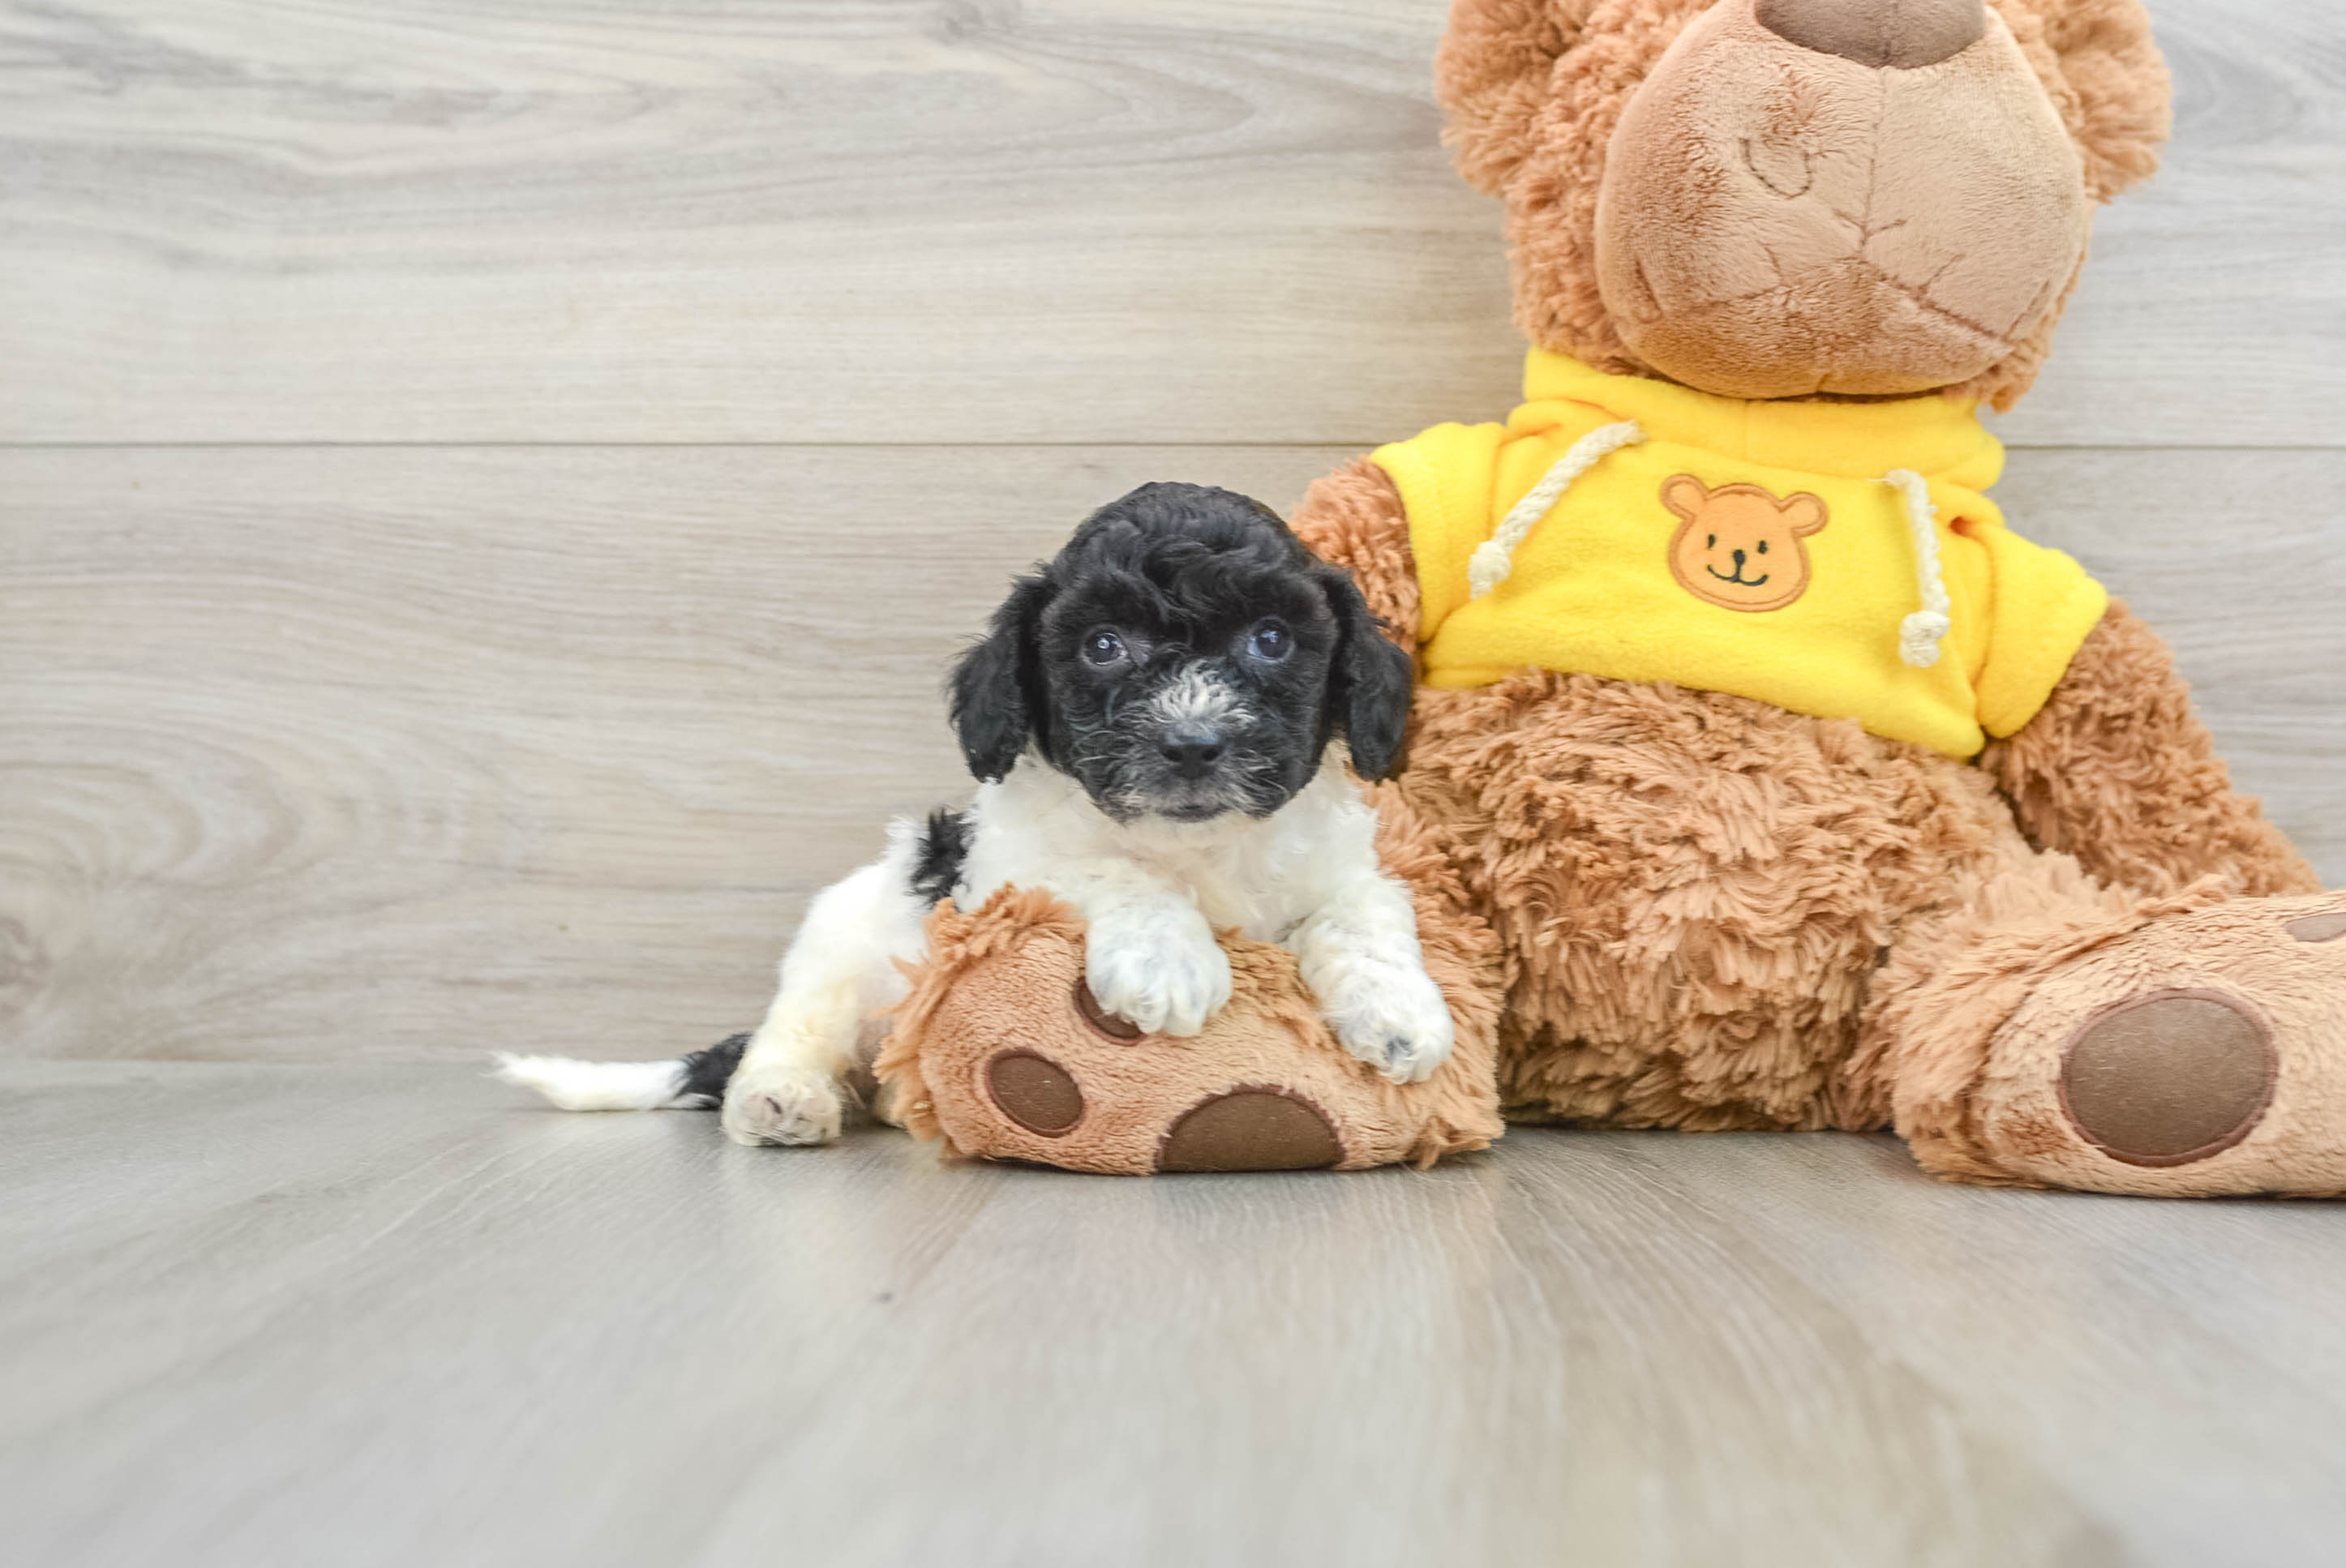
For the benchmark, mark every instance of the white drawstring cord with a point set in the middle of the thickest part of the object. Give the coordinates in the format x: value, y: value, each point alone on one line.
x: 1920, y: 634
x: 1493, y: 557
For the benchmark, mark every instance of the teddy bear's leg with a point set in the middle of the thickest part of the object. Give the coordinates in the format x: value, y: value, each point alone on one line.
x: 2117, y: 770
x: 1002, y: 1051
x: 2058, y: 1033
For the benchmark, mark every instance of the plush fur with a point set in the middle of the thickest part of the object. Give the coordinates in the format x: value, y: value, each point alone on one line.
x: 2116, y: 772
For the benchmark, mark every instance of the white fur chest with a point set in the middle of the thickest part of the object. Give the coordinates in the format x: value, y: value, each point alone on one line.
x: 1261, y: 875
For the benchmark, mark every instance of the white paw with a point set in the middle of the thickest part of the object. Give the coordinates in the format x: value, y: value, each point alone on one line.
x: 781, y: 1106
x: 1390, y: 1015
x: 1160, y: 969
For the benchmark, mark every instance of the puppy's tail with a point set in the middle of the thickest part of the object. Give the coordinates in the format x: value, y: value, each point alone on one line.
x: 692, y: 1083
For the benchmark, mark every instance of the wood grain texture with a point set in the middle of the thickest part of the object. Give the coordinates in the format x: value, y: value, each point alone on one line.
x: 941, y: 220
x: 257, y: 1316
x: 337, y: 754
x: 381, y: 753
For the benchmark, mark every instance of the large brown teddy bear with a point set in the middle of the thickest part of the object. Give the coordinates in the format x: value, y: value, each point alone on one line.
x: 1758, y: 774
x: 1748, y: 861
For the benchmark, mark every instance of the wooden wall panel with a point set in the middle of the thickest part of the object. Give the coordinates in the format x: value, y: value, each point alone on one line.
x: 391, y: 753
x: 1089, y: 220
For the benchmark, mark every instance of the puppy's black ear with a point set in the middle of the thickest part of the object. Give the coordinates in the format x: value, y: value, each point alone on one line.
x: 1370, y: 682
x: 995, y: 699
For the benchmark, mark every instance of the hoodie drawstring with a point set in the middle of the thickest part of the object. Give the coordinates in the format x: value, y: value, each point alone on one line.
x: 1493, y: 557
x: 1920, y: 634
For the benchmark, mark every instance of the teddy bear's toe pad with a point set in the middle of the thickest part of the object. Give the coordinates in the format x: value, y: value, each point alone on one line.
x: 1255, y: 1129
x: 2325, y: 927
x: 2169, y: 1078
x: 1034, y: 1092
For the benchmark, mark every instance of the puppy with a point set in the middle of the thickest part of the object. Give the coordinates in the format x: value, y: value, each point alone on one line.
x: 1154, y: 718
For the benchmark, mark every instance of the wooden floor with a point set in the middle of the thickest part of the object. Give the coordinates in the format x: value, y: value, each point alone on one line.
x: 267, y: 1314
x: 486, y: 490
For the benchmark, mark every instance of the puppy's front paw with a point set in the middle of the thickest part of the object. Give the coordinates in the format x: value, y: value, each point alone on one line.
x: 781, y: 1106
x: 1160, y: 971
x: 1390, y: 1015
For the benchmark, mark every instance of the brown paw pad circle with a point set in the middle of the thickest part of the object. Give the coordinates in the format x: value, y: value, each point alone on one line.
x: 2169, y: 1078
x: 2318, y: 927
x: 1250, y: 1129
x: 1122, y: 1030
x: 1034, y: 1092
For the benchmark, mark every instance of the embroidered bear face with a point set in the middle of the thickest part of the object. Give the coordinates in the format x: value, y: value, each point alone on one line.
x: 1738, y: 546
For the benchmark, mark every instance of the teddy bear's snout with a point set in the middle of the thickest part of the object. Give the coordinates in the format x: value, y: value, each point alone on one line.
x: 1904, y: 37
x: 1786, y: 204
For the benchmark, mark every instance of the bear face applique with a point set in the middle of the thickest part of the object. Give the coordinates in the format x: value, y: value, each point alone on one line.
x: 1739, y: 546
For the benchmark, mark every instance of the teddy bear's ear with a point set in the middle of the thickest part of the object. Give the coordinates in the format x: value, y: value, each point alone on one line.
x: 1803, y: 513
x: 1685, y: 494
x: 2119, y: 100
x: 1492, y: 73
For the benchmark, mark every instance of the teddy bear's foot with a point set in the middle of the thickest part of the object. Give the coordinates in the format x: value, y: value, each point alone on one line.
x: 1004, y: 1051
x: 2203, y: 1054
x: 1073, y: 1085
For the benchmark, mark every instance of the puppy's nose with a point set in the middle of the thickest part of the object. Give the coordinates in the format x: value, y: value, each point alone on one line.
x: 1192, y: 749
x: 1900, y: 34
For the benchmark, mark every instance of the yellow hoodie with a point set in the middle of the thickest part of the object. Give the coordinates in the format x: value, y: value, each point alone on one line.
x: 1771, y: 550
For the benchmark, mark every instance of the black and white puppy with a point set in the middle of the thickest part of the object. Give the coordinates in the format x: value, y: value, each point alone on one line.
x: 1152, y: 719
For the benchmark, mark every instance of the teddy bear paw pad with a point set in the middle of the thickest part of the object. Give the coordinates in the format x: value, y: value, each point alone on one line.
x: 2327, y: 927
x: 1253, y: 1129
x: 2170, y: 1077
x: 1034, y: 1092
x: 1122, y: 1030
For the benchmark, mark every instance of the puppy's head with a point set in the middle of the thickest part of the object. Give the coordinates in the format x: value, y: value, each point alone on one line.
x: 1185, y: 657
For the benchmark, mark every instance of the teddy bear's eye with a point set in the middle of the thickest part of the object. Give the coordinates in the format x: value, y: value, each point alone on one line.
x: 1763, y: 546
x: 1710, y: 542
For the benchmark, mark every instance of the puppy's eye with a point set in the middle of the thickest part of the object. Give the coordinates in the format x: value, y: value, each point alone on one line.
x: 1104, y: 648
x: 1270, y: 642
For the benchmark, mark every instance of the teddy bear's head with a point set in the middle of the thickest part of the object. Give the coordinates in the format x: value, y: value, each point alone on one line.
x: 1779, y: 198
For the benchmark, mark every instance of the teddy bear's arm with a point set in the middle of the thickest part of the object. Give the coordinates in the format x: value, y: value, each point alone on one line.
x: 2117, y: 770
x: 1355, y: 518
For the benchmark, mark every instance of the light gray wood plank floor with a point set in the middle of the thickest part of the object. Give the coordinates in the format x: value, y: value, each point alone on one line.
x: 259, y: 1315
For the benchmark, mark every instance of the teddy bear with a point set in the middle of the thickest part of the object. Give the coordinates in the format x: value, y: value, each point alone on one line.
x: 1906, y: 823
x: 1759, y: 775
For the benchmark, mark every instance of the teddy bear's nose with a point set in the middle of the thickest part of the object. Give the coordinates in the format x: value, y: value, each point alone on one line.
x: 1899, y: 33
